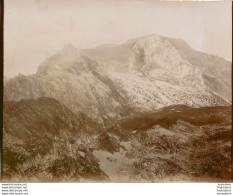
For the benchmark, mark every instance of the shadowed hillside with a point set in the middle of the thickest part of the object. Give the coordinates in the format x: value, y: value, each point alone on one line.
x: 45, y: 141
x: 177, y: 143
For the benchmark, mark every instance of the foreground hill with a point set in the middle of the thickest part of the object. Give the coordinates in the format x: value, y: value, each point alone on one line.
x: 45, y: 141
x: 177, y: 143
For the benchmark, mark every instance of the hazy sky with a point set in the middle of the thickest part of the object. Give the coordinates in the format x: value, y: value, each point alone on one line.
x: 36, y: 29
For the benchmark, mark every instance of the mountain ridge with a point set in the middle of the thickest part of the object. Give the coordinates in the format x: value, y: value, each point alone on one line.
x: 158, y: 72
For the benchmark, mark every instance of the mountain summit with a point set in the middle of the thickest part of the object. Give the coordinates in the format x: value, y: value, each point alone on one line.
x: 166, y: 59
x: 68, y: 59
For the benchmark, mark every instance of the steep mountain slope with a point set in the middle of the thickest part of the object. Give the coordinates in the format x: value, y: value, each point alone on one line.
x: 74, y: 80
x: 176, y: 143
x: 45, y: 141
x: 150, y: 94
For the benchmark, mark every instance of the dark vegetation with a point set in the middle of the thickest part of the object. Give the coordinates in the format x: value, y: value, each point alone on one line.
x: 45, y: 141
x: 42, y: 141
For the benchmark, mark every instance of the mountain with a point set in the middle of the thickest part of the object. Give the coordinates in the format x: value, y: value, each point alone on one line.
x: 74, y: 80
x: 45, y: 141
x: 167, y: 59
x: 113, y: 81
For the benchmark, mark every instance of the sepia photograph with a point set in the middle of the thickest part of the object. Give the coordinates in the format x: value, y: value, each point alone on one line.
x: 117, y: 91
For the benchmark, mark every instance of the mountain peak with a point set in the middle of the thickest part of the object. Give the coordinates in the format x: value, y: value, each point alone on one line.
x: 133, y: 40
x: 68, y: 59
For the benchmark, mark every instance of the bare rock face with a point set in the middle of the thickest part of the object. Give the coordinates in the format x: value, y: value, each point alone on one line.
x: 167, y: 59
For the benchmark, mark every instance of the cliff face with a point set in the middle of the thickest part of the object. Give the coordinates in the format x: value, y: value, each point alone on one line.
x: 167, y: 59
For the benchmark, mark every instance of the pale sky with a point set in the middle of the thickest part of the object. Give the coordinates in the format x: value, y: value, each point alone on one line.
x: 36, y: 29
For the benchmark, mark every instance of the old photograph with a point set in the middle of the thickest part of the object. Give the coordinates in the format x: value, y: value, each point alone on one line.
x: 117, y: 91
